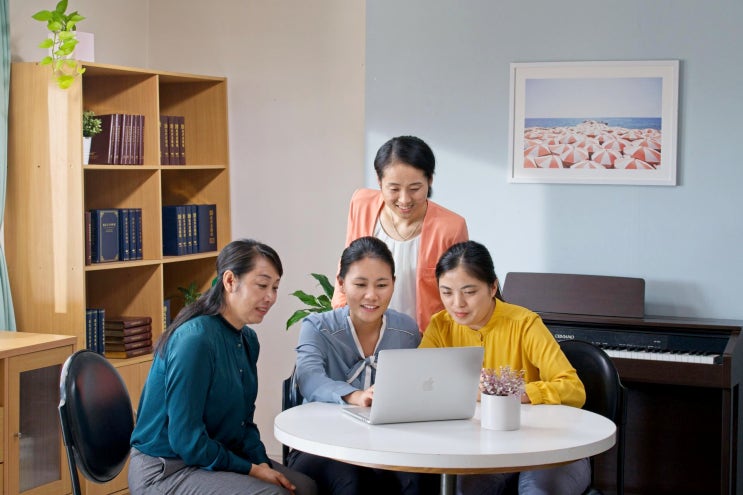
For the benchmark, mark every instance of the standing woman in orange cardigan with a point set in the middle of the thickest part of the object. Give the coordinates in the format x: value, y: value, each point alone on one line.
x: 416, y: 229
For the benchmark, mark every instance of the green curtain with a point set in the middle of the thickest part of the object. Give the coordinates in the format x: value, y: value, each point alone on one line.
x: 7, y: 316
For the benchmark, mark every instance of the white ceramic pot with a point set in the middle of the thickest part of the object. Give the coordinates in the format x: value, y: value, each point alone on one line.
x: 86, y: 149
x: 499, y: 412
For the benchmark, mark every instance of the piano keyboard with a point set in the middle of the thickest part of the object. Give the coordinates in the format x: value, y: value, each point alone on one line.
x: 666, y: 345
x: 652, y: 355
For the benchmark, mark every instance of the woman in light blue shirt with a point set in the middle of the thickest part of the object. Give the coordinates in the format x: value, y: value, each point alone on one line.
x: 337, y: 359
x: 195, y: 432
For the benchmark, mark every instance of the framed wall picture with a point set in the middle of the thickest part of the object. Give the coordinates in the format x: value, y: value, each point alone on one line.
x: 594, y: 122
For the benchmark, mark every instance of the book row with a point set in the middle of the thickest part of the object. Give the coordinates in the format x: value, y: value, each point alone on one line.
x: 94, y: 321
x: 120, y: 142
x: 172, y: 140
x: 113, y: 234
x: 189, y: 229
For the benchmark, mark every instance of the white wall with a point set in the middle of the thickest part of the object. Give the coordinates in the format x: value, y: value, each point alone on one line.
x: 296, y: 112
x: 440, y: 69
x: 296, y: 91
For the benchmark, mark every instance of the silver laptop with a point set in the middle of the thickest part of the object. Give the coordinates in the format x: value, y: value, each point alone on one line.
x: 430, y: 384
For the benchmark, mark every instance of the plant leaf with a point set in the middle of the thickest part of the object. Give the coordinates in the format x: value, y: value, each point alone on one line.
x: 42, y: 15
x: 65, y: 81
x: 66, y: 35
x: 47, y: 43
x: 297, y: 316
x: 305, y: 298
x: 327, y: 287
x: 324, y: 302
x: 75, y: 17
x: 61, y: 6
x: 46, y: 60
x: 54, y: 26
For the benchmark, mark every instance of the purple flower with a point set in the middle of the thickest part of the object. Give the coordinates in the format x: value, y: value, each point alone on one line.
x: 504, y: 381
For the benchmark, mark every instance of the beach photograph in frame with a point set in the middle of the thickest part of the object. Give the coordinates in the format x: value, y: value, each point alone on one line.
x: 594, y: 122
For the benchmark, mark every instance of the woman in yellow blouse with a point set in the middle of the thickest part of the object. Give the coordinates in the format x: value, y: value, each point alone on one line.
x: 513, y: 336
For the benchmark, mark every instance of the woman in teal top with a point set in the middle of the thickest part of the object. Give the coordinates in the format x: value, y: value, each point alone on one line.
x: 195, y: 431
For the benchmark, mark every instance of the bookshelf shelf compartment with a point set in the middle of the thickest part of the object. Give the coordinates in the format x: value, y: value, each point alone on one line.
x: 49, y: 190
x: 122, y: 265
x: 189, y: 257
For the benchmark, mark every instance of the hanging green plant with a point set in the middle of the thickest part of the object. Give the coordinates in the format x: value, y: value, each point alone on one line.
x: 62, y: 27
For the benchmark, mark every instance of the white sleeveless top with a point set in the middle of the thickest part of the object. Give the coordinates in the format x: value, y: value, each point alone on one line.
x: 405, y: 254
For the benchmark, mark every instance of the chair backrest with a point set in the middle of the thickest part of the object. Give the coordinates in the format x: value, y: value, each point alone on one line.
x: 96, y: 415
x: 599, y: 376
x: 290, y: 397
x: 605, y: 394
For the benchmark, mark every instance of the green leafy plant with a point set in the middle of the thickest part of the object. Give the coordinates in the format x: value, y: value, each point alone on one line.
x: 315, y: 304
x: 91, y: 124
x: 190, y: 293
x: 62, y: 27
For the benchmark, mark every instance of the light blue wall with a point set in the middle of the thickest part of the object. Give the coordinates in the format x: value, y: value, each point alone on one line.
x: 440, y: 69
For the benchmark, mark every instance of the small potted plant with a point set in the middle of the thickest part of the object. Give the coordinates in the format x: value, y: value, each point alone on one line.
x: 62, y: 42
x: 315, y: 304
x: 500, y: 400
x: 91, y: 127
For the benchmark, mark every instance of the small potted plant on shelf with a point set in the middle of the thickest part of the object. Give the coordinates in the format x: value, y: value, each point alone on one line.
x: 61, y: 41
x: 190, y: 293
x: 91, y: 127
x: 315, y: 304
x: 500, y: 400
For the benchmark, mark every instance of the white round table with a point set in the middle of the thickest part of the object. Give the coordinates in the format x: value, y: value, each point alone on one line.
x: 549, y: 436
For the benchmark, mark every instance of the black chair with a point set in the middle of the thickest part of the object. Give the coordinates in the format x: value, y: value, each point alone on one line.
x: 605, y: 395
x: 96, y: 416
x: 290, y: 397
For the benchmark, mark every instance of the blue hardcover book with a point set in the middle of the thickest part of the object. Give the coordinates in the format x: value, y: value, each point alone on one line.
x: 173, y: 224
x: 104, y: 235
x: 89, y: 331
x: 189, y: 228
x: 133, y: 233
x: 182, y: 229
x: 194, y: 228
x: 101, y: 319
x: 124, y: 235
x: 166, y: 313
x: 137, y: 214
x: 94, y: 330
x: 207, y: 227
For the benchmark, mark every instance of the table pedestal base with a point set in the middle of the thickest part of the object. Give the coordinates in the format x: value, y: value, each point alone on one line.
x: 448, y: 484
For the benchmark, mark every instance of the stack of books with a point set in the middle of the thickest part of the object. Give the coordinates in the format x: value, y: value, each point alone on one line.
x: 120, y: 142
x: 189, y: 229
x: 127, y: 336
x: 172, y: 140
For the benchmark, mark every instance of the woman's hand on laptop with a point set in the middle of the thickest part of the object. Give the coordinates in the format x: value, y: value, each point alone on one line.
x: 361, y: 398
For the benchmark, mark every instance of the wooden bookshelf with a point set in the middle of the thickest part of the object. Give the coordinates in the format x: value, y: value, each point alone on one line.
x: 49, y: 189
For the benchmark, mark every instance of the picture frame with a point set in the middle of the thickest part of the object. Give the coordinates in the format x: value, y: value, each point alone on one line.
x: 594, y: 122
